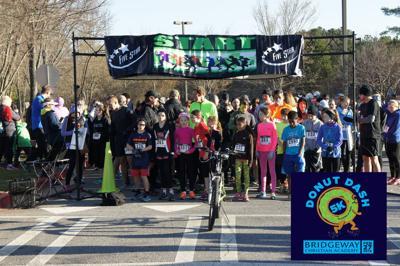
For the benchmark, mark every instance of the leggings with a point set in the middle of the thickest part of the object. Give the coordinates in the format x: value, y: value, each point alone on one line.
x: 278, y: 168
x: 346, y: 156
x: 331, y: 165
x: 242, y: 166
x: 72, y: 160
x: 164, y: 170
x: 393, y: 154
x: 186, y: 171
x: 263, y: 159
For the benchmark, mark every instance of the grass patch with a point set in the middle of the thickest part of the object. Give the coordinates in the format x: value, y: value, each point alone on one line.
x: 7, y: 175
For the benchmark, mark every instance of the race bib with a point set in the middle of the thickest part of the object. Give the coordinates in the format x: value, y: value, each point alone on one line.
x: 200, y: 144
x: 385, y: 129
x: 293, y: 143
x: 140, y: 146
x: 183, y: 148
x: 311, y: 135
x: 240, y: 148
x: 96, y: 136
x: 128, y: 151
x: 265, y: 140
x: 161, y: 143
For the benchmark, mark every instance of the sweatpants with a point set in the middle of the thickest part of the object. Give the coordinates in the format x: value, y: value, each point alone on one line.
x: 264, y: 163
x: 242, y: 166
x: 278, y: 168
x: 97, y: 153
x: 71, y: 167
x: 331, y: 165
x: 121, y: 160
x: 185, y: 164
x: 164, y: 171
x: 313, y: 161
x: 393, y: 154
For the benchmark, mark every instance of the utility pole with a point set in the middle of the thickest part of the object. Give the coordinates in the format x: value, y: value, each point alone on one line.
x: 344, y: 32
x: 183, y: 23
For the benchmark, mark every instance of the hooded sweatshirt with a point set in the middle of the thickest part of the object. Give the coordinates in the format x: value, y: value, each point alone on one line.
x: 51, y: 125
x: 330, y: 134
x: 392, y: 127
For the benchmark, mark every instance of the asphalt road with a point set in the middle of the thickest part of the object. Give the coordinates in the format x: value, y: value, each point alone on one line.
x: 83, y: 233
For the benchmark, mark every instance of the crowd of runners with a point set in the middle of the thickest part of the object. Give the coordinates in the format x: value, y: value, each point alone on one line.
x: 162, y: 146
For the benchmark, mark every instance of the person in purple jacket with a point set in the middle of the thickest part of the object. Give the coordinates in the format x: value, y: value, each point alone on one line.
x: 330, y: 139
x: 391, y: 135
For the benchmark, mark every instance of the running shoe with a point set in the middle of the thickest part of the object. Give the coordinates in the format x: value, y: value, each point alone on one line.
x: 146, y: 198
x: 246, y: 197
x: 163, y: 196
x: 238, y: 197
x: 391, y: 180
x: 263, y: 195
x: 396, y: 182
x: 204, y: 196
x: 182, y: 196
x: 273, y: 196
x: 192, y: 195
x: 171, y: 196
x: 11, y: 167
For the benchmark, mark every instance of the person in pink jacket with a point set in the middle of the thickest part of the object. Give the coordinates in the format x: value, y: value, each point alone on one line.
x: 266, y: 142
x: 184, y: 148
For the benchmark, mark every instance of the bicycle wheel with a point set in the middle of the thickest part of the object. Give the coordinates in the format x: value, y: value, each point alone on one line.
x: 213, y: 209
x: 218, y: 195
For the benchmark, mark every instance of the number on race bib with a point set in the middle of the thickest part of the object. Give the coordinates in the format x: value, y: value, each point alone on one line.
x: 293, y: 143
x: 128, y: 151
x: 96, y: 136
x: 161, y: 143
x: 240, y: 148
x: 311, y: 135
x: 265, y: 140
x: 140, y: 146
x: 183, y: 148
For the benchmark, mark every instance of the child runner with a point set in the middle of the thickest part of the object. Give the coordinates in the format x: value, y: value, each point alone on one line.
x: 312, y: 152
x: 280, y: 126
x: 243, y: 146
x: 201, y: 137
x: 140, y: 143
x: 184, y: 149
x: 215, y: 140
x: 164, y: 152
x: 330, y: 139
x: 267, y: 139
x: 293, y: 137
x: 99, y: 135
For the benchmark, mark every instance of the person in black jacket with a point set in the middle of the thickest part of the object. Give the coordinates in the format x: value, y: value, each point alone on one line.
x: 51, y: 128
x: 122, y: 124
x: 147, y: 109
x: 173, y: 106
x: 98, y: 136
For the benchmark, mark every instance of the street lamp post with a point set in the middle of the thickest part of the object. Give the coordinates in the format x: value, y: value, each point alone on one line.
x: 183, y: 23
x: 344, y: 32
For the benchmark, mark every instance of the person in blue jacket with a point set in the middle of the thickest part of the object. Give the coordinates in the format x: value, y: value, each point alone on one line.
x: 330, y: 139
x: 391, y: 135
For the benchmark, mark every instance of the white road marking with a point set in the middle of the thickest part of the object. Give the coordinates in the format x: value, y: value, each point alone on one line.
x: 228, y: 245
x: 60, y: 242
x: 171, y: 207
x: 64, y: 209
x: 393, y: 237
x: 377, y: 262
x: 26, y: 237
x: 188, y: 243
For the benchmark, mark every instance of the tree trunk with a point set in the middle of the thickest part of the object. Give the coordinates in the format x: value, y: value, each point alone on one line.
x: 31, y: 66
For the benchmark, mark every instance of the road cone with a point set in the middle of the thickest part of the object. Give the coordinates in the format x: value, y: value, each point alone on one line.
x: 108, y: 182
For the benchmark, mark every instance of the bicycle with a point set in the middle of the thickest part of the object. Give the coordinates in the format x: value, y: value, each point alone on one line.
x: 216, y: 191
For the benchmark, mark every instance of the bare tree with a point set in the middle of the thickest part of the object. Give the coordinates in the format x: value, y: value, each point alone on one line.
x: 378, y: 64
x: 291, y: 17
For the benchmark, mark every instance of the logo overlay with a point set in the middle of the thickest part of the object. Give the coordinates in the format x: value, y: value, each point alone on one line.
x: 339, y: 216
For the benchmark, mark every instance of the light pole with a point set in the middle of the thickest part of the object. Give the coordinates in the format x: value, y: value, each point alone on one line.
x: 183, y: 23
x: 344, y: 32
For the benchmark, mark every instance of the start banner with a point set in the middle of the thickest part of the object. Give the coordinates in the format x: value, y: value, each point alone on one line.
x: 203, y: 56
x: 338, y: 216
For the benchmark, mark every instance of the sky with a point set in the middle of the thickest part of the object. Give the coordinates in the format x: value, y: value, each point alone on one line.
x: 140, y: 17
